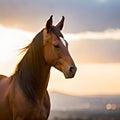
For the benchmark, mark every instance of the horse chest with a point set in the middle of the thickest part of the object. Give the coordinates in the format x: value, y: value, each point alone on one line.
x: 41, y: 110
x: 38, y: 112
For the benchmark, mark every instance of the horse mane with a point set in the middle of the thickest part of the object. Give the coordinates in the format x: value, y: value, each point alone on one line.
x: 30, y: 66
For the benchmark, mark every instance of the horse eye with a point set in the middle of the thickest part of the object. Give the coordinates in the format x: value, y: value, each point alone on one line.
x: 57, y: 46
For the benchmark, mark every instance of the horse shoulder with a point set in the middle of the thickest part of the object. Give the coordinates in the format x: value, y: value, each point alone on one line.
x: 42, y: 109
x: 24, y: 108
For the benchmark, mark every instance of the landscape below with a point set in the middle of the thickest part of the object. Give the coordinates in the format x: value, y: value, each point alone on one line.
x: 66, y: 107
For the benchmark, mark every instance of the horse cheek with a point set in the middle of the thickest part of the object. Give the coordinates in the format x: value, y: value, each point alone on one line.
x: 48, y: 55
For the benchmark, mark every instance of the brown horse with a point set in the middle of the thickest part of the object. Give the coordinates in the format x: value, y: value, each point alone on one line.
x: 24, y: 96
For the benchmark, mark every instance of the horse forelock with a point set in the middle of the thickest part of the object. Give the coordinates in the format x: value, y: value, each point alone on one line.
x: 56, y: 31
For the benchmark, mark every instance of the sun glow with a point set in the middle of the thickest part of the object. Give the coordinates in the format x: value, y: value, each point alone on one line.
x: 89, y: 79
x: 11, y: 40
x: 110, y: 34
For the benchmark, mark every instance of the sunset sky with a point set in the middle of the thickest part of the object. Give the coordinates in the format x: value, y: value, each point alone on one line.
x: 81, y: 15
x: 92, y: 28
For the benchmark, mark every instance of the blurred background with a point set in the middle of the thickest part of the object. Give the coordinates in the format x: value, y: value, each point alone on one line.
x: 92, y: 29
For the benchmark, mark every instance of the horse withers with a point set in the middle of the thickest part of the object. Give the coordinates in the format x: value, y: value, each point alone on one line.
x: 24, y: 95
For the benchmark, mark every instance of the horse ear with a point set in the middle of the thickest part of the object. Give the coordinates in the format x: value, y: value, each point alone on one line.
x: 49, y: 23
x: 61, y: 23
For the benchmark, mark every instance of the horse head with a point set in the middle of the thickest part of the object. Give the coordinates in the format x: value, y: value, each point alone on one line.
x: 56, y: 49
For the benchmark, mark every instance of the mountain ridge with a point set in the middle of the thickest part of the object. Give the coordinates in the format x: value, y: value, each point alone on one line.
x: 61, y: 101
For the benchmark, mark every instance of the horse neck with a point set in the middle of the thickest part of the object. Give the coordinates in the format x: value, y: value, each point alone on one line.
x: 33, y: 72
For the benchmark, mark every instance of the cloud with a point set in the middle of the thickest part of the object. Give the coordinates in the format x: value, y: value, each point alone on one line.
x: 81, y: 15
x: 92, y: 46
x: 95, y: 47
x: 11, y: 40
x: 110, y: 34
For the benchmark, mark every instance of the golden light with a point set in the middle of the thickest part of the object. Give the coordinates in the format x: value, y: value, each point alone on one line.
x: 110, y: 34
x: 111, y: 106
x: 90, y: 79
x: 11, y: 40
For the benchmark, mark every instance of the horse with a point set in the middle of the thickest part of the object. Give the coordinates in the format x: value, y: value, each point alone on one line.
x: 24, y: 95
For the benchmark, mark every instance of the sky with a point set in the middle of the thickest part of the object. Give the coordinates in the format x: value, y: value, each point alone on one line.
x: 91, y: 27
x: 81, y: 15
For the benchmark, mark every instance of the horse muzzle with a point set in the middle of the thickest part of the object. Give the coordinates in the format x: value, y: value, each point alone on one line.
x: 70, y: 71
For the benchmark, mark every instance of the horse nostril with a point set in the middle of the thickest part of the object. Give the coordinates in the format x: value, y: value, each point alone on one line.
x: 72, y: 69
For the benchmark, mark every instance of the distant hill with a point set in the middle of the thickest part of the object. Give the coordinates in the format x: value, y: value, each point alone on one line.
x: 63, y: 102
x: 65, y: 107
x: 95, y: 51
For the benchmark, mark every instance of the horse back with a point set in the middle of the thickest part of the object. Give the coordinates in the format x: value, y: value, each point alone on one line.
x: 4, y: 107
x: 2, y: 77
x: 4, y: 82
